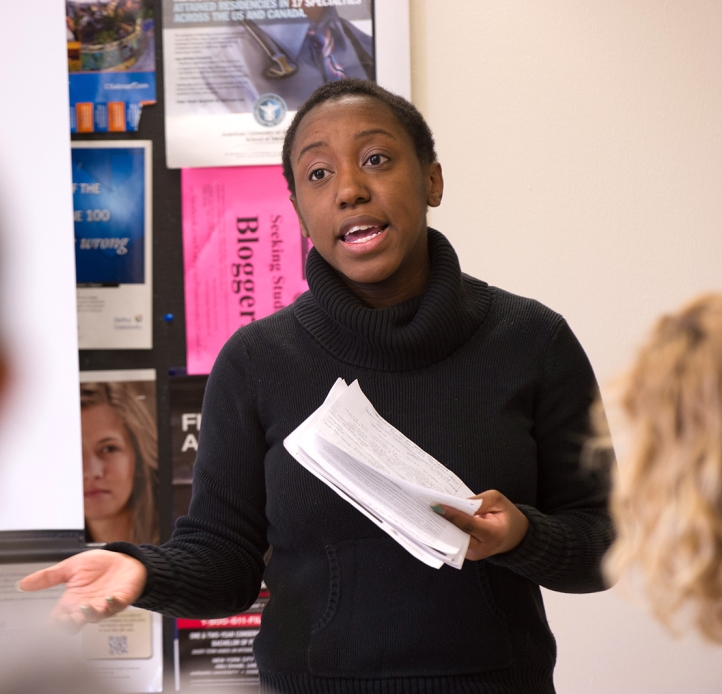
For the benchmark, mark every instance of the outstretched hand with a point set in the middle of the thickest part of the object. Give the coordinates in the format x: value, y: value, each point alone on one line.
x: 98, y: 584
x: 498, y: 526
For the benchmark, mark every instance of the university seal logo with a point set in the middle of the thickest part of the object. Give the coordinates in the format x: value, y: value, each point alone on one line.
x: 270, y: 109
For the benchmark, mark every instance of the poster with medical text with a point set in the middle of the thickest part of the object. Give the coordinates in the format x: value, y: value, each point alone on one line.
x: 111, y: 63
x: 236, y: 71
x: 113, y: 243
x: 243, y: 254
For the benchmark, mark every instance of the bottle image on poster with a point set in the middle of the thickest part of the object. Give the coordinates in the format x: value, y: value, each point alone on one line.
x: 111, y: 63
x: 120, y: 489
x: 112, y: 217
x: 207, y: 652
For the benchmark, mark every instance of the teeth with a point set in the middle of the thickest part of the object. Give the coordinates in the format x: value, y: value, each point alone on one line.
x: 359, y: 228
x: 364, y: 239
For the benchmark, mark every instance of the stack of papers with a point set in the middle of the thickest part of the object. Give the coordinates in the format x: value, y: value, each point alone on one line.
x: 373, y: 466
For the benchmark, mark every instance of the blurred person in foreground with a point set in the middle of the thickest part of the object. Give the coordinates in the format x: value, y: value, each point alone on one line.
x: 667, y: 500
x: 47, y: 668
x: 4, y: 362
x: 4, y: 373
x: 37, y: 659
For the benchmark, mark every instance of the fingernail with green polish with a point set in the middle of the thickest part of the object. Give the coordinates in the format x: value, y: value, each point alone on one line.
x: 437, y: 508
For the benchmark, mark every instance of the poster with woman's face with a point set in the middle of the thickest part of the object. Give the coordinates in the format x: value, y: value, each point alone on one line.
x: 120, y: 455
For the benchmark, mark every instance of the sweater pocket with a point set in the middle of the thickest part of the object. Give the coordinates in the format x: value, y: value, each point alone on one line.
x: 389, y: 615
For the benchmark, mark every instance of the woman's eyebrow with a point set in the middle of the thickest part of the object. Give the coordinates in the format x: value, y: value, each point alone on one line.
x: 357, y: 136
x: 313, y: 145
x: 373, y: 131
x: 111, y: 438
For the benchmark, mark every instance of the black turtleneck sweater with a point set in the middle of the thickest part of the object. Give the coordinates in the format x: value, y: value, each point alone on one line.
x: 494, y: 386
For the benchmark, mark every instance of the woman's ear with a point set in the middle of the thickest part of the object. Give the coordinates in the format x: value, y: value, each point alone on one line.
x: 304, y: 231
x: 435, y: 185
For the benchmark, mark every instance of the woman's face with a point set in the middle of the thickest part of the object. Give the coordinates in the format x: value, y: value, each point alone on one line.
x: 362, y: 194
x: 108, y: 462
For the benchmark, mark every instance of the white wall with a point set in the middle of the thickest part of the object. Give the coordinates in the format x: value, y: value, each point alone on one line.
x: 582, y: 149
x: 40, y: 462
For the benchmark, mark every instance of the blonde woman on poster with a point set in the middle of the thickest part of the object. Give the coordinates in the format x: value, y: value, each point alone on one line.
x: 120, y: 463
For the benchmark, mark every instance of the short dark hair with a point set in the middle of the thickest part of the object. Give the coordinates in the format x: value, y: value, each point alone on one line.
x: 405, y: 112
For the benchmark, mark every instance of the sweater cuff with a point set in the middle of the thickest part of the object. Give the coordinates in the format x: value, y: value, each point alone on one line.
x: 160, y: 580
x: 532, y: 554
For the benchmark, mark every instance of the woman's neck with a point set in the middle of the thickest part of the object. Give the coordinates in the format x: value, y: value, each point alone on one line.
x: 115, y: 529
x: 396, y: 289
x: 380, y: 296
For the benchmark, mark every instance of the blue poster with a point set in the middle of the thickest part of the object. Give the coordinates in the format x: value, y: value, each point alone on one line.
x: 109, y: 214
x: 112, y: 201
x: 111, y: 63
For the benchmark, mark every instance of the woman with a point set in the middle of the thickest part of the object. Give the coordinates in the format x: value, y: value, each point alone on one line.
x: 493, y: 385
x: 667, y: 500
x: 120, y: 464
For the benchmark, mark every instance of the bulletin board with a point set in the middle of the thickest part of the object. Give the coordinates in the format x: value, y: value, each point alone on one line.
x: 175, y: 400
x: 168, y: 349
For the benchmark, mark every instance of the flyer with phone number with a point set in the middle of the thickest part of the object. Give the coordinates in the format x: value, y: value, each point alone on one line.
x: 207, y: 652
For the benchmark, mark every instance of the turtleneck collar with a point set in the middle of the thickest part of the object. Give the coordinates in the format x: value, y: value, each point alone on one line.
x: 409, y: 335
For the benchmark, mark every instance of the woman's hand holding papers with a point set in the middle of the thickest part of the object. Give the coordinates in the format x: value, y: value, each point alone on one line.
x: 498, y: 526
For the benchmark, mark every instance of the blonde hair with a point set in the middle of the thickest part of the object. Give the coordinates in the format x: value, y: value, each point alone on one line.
x: 667, y: 500
x: 140, y: 425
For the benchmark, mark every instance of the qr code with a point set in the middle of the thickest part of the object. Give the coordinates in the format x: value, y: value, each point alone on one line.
x: 118, y: 645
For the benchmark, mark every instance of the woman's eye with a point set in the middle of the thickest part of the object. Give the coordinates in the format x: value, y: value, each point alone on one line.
x: 376, y: 159
x: 318, y: 174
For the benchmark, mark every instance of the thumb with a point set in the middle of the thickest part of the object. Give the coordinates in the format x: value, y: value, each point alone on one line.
x: 45, y: 578
x: 458, y: 518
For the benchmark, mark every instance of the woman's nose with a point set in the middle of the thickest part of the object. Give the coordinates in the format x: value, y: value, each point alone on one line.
x: 92, y: 466
x: 351, y: 187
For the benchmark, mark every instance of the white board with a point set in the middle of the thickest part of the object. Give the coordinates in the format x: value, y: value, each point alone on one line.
x: 40, y: 461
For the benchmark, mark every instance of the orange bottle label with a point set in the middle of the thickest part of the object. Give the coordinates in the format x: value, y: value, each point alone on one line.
x: 84, y: 117
x: 116, y: 117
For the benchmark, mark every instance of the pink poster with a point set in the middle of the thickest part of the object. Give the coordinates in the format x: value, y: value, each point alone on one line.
x: 243, y: 254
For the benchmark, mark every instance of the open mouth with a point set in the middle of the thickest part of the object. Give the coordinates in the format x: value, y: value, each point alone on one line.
x: 363, y: 233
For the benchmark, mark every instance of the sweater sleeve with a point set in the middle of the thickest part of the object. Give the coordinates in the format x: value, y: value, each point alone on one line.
x: 213, y: 564
x: 570, y: 528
